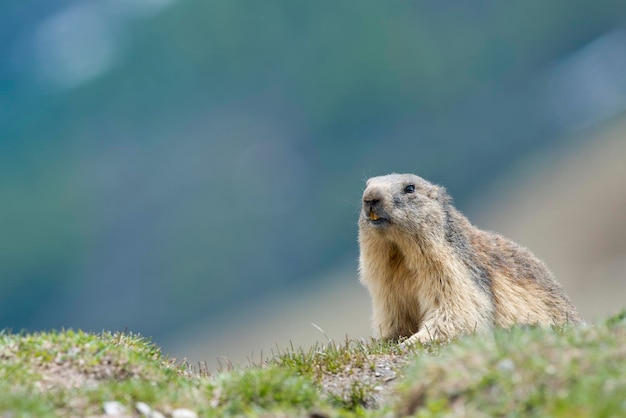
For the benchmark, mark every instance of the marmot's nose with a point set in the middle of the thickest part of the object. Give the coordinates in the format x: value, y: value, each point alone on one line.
x: 372, y: 197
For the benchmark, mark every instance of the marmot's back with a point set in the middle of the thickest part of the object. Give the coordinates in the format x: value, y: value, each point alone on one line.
x: 524, y: 289
x: 433, y: 275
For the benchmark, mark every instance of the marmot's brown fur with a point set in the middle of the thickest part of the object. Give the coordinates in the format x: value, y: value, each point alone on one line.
x: 433, y: 276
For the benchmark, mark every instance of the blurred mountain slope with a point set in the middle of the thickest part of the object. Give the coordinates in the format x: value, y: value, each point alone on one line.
x: 162, y: 162
x: 569, y: 206
x: 331, y: 306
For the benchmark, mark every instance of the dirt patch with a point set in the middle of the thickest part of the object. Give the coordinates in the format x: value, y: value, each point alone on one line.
x: 371, y: 386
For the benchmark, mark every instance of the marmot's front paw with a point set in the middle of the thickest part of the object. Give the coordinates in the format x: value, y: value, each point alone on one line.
x: 424, y: 336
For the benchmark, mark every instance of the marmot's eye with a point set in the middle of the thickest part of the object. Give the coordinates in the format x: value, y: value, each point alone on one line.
x: 409, y: 189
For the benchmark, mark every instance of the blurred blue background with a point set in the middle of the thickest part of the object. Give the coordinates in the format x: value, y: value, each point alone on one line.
x: 164, y: 163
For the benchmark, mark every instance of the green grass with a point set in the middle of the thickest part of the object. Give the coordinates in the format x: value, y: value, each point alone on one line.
x: 71, y: 373
x: 570, y: 372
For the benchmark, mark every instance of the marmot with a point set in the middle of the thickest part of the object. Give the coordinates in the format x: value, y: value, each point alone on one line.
x: 432, y: 275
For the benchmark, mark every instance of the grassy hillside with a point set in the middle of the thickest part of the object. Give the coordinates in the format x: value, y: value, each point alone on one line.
x: 524, y: 371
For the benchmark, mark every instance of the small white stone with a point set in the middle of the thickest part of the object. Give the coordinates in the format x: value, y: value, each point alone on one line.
x: 113, y: 408
x: 156, y: 414
x: 506, y: 365
x: 183, y: 413
x: 143, y: 409
x: 74, y: 351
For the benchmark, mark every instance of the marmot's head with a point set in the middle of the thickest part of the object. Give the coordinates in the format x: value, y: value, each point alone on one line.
x: 403, y: 204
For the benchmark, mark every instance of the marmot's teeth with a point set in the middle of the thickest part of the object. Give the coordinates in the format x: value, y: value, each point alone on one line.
x: 374, y: 217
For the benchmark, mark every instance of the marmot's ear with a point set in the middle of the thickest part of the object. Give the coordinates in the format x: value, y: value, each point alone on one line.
x: 439, y: 194
x: 433, y: 191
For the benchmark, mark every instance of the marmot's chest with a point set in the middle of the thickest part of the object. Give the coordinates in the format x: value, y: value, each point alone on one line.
x: 414, y: 290
x: 405, y: 302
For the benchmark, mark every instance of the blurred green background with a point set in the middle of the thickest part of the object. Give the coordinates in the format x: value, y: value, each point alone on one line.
x: 164, y: 162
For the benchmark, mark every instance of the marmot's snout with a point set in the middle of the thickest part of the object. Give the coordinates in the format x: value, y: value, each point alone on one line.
x: 373, y: 205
